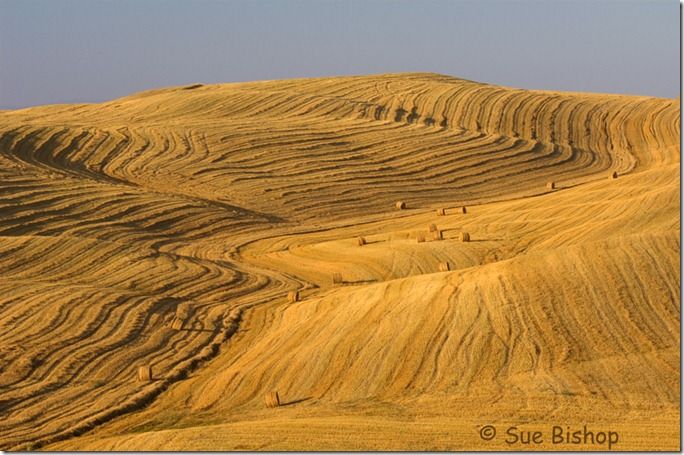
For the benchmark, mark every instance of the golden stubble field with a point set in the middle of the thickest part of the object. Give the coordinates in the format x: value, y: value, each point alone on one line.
x: 166, y: 230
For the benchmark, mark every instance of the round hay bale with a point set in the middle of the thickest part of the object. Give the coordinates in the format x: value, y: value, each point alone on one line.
x: 444, y: 267
x: 177, y: 324
x: 293, y: 296
x: 400, y: 205
x: 145, y: 374
x: 464, y: 237
x: 613, y: 175
x: 361, y: 241
x: 432, y: 227
x: 420, y: 237
x: 441, y: 212
x: 463, y: 209
x: 337, y: 278
x: 437, y: 235
x: 550, y: 185
x: 272, y: 400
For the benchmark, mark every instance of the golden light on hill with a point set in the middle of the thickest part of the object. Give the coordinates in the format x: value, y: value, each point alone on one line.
x: 171, y: 259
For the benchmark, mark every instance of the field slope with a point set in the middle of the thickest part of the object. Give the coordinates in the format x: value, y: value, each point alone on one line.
x: 562, y: 309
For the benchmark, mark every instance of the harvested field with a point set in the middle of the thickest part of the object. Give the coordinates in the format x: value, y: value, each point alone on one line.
x: 165, y: 229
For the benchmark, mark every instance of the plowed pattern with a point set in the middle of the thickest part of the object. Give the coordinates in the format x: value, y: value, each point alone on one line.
x: 225, y: 197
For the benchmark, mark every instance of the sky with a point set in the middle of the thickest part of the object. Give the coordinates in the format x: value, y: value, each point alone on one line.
x: 69, y: 51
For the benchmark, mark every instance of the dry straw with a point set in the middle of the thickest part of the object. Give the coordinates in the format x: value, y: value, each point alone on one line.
x: 441, y: 212
x: 145, y: 374
x: 437, y: 235
x: 272, y: 400
x: 230, y: 321
x: 361, y: 241
x: 420, y: 237
x: 400, y: 205
x: 444, y: 267
x: 177, y: 324
x: 432, y: 227
x: 464, y: 236
x: 463, y: 209
x: 336, y: 278
x: 293, y: 296
x: 550, y: 185
x: 183, y: 311
x: 232, y: 316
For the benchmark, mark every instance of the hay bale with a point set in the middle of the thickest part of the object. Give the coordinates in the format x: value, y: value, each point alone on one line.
x: 441, y: 212
x: 293, y: 296
x: 361, y: 241
x: 420, y: 237
x: 432, y: 227
x: 550, y: 185
x: 177, y: 324
x: 463, y: 209
x: 464, y: 237
x: 444, y: 267
x: 145, y: 374
x: 272, y: 400
x: 337, y: 278
x: 437, y: 235
x: 400, y: 205
x: 613, y: 175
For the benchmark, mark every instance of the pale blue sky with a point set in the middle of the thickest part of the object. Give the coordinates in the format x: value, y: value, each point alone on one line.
x: 58, y: 51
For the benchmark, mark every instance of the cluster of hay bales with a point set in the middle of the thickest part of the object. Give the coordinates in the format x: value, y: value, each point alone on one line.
x: 361, y: 241
x: 400, y: 205
x: 337, y: 278
x: 437, y: 234
x: 145, y: 374
x: 272, y: 400
x: 293, y: 296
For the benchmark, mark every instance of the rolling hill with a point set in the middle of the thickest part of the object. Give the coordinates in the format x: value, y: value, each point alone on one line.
x: 217, y: 200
